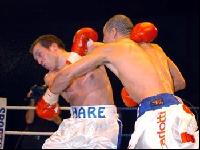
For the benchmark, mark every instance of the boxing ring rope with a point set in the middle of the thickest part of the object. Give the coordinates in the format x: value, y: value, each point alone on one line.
x: 43, y: 133
x: 36, y: 133
x: 27, y: 133
x: 4, y: 108
x: 29, y: 107
x: 62, y: 108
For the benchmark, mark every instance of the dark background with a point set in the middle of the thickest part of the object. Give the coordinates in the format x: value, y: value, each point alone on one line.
x: 22, y: 21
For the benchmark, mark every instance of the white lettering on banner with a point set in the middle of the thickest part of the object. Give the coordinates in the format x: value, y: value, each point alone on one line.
x: 2, y: 121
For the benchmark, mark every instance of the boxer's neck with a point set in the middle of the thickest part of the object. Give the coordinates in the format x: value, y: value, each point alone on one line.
x: 62, y: 58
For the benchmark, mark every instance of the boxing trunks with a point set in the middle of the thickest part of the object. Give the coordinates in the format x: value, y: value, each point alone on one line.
x: 164, y: 122
x: 89, y: 127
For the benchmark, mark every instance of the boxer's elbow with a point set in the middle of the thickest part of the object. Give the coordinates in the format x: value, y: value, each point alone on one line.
x: 62, y: 80
x: 180, y: 85
x: 57, y: 86
x: 183, y: 84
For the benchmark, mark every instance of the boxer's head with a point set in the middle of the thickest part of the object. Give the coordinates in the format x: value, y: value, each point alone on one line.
x: 116, y: 27
x: 46, y: 49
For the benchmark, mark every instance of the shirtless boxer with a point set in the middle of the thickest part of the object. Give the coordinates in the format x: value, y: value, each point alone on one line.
x: 163, y: 120
x: 94, y: 119
x: 144, y: 33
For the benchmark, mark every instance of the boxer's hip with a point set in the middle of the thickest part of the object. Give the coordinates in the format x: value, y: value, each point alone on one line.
x: 88, y: 127
x: 157, y: 102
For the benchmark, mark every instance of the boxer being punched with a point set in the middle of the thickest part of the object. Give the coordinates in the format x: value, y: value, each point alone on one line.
x: 163, y: 120
x: 94, y: 119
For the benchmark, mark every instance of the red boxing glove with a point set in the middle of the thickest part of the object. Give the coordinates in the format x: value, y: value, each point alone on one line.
x: 47, y: 107
x: 144, y: 32
x: 81, y: 38
x: 128, y: 101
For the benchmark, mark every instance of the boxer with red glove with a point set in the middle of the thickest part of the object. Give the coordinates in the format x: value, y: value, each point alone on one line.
x: 47, y: 107
x: 90, y: 97
x: 81, y: 38
x: 144, y: 32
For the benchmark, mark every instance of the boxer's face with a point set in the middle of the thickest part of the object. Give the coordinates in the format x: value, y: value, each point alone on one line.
x: 44, y: 56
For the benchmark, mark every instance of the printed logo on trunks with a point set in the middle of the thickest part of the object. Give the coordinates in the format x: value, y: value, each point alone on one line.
x: 88, y: 112
x: 161, y: 120
x: 157, y: 102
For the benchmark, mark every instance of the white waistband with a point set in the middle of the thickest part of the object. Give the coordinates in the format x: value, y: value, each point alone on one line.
x: 96, y: 111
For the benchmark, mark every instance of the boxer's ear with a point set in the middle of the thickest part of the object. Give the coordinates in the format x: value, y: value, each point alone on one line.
x: 113, y: 32
x: 53, y: 47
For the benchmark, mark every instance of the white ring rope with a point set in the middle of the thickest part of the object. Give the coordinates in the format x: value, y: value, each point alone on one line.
x: 68, y: 108
x: 37, y: 133
x: 29, y: 107
x: 27, y: 133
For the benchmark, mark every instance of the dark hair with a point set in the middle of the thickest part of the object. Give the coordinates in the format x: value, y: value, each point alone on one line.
x: 122, y: 23
x: 46, y: 41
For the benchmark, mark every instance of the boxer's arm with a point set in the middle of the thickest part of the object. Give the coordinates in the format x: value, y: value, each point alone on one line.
x: 64, y: 76
x: 49, y: 77
x: 47, y: 80
x: 30, y: 114
x: 57, y: 120
x: 93, y: 45
x: 179, y: 81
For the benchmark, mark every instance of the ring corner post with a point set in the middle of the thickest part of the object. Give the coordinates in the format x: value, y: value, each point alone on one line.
x: 3, y: 104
